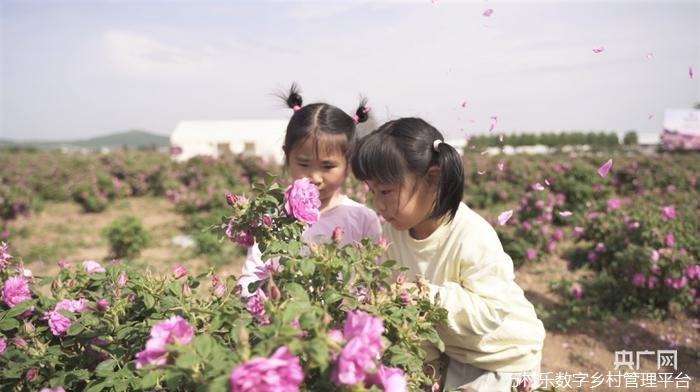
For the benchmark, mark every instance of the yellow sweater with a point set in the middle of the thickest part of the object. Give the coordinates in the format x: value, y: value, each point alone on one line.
x: 490, y: 325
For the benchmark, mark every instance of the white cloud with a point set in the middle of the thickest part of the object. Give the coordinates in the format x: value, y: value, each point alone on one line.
x: 139, y: 55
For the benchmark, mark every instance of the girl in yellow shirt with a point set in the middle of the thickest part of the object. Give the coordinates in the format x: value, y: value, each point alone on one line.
x: 492, y: 333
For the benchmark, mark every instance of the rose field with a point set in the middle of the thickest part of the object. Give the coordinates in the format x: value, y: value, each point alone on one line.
x: 118, y: 272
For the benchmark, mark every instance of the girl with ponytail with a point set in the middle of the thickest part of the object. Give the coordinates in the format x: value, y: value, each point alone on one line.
x: 492, y: 335
x: 318, y: 144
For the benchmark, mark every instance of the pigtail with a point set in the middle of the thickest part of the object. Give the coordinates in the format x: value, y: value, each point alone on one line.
x: 293, y: 97
x: 362, y: 113
x: 451, y: 187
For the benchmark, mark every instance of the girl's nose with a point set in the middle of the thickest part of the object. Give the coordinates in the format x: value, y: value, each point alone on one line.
x: 316, y: 178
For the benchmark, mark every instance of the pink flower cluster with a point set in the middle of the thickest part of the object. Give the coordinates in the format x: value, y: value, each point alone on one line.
x: 16, y: 290
x: 5, y: 256
x: 175, y: 330
x: 358, y: 358
x: 91, y: 266
x: 244, y: 238
x: 218, y: 286
x: 280, y: 372
x: 256, y: 306
x: 303, y: 201
x: 58, y: 322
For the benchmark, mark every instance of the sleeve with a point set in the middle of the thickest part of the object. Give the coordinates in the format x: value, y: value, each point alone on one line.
x: 372, y: 228
x: 478, y: 303
x: 253, y: 262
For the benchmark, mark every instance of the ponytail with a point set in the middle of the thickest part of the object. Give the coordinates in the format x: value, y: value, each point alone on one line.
x: 451, y: 185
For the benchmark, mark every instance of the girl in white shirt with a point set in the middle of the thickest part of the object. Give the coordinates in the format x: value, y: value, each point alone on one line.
x: 317, y: 145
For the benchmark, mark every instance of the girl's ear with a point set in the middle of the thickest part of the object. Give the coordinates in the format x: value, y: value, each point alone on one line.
x: 433, y: 176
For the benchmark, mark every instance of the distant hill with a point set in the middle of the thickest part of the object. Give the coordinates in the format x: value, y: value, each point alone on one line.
x: 130, y: 139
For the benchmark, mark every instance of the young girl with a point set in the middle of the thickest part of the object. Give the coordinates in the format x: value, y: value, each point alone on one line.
x: 317, y: 145
x: 492, y: 332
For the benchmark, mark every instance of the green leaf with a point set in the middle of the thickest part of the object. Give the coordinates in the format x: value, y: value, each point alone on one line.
x: 297, y: 291
x: 318, y: 351
x: 76, y: 328
x: 187, y: 360
x: 307, y: 267
x: 150, y: 380
x: 106, y: 368
x: 331, y: 296
x: 204, y: 345
x: 19, y: 308
x: 176, y: 288
x: 149, y: 301
x: 8, y: 324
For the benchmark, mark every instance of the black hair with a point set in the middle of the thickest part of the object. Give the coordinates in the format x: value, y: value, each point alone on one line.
x: 405, y: 146
x: 322, y: 122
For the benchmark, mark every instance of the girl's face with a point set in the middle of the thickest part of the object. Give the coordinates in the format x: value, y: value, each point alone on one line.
x: 407, y: 205
x: 327, y: 169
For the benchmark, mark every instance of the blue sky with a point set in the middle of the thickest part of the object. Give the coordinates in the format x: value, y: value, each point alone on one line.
x: 80, y: 69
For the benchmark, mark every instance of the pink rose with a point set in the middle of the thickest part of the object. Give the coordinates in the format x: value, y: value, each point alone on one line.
x: 267, y: 220
x: 389, y: 379
x: 669, y: 212
x: 57, y: 389
x: 579, y: 232
x: 363, y: 334
x: 256, y: 307
x: 280, y: 372
x: 103, y: 304
x: 337, y: 234
x: 577, y: 291
x: 531, y: 254
x: 639, y: 279
x: 175, y: 330
x: 179, y: 271
x: 303, y: 201
x: 15, y: 291
x: 670, y: 240
x: 613, y: 203
x: 92, y: 266
x: 122, y: 279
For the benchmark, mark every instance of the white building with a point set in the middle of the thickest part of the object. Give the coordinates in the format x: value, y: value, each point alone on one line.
x: 263, y: 138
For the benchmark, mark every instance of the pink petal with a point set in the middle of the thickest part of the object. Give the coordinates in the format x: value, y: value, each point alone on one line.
x: 500, y: 137
x: 484, y: 152
x: 546, y: 181
x: 504, y: 216
x: 492, y: 127
x: 464, y: 104
x: 537, y: 187
x: 494, y: 118
x: 565, y: 213
x: 481, y: 172
x: 690, y: 72
x: 651, y: 116
x: 650, y: 56
x: 603, y: 170
x: 500, y: 166
x: 598, y: 50
x: 488, y: 12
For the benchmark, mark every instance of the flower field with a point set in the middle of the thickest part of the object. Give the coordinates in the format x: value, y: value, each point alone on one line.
x: 96, y: 296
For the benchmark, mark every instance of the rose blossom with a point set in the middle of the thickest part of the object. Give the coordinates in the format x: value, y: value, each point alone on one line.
x: 16, y: 290
x: 280, y: 372
x: 303, y: 201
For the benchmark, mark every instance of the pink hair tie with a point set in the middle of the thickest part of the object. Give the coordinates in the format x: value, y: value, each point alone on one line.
x: 296, y: 108
x: 355, y: 118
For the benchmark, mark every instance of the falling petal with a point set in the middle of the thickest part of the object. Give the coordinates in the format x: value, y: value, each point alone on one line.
x: 565, y: 213
x: 481, y: 172
x: 504, y: 216
x: 690, y: 72
x: 603, y: 170
x: 484, y: 152
x: 500, y: 137
x: 494, y: 118
x: 546, y: 182
x: 434, y: 1
x: 488, y: 12
x: 464, y: 104
x: 651, y: 116
x: 650, y: 56
x: 598, y: 50
x: 537, y: 187
x: 492, y: 127
x: 500, y: 166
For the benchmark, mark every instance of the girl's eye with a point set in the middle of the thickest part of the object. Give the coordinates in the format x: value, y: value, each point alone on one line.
x: 329, y: 167
x: 304, y: 164
x: 386, y: 192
